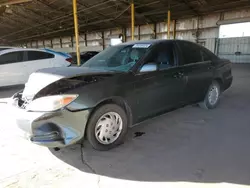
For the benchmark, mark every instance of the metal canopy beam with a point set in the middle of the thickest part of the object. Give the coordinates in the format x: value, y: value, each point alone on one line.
x: 53, y: 20
x: 43, y: 19
x: 196, y: 12
x: 102, y: 15
x: 137, y: 14
x: 12, y: 2
x: 51, y: 7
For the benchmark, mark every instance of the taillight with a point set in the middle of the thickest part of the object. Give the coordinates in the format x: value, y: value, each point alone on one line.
x: 70, y: 60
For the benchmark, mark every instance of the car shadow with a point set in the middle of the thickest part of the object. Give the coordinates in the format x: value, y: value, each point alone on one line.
x: 188, y: 144
x: 8, y: 91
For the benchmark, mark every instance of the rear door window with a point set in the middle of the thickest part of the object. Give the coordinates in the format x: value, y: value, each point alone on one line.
x: 11, y: 57
x: 208, y: 55
x: 205, y: 56
x: 191, y: 53
x: 163, y: 55
x: 36, y: 55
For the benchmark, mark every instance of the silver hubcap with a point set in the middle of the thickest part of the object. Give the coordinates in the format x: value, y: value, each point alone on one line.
x: 213, y: 95
x: 108, y: 128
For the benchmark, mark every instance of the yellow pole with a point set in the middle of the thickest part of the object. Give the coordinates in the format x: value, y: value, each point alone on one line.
x: 132, y: 20
x: 76, y: 32
x: 169, y: 14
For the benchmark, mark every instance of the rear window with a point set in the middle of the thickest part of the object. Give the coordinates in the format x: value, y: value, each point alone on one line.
x: 205, y: 56
x: 191, y: 53
x: 209, y: 55
x: 36, y: 55
x: 64, y: 54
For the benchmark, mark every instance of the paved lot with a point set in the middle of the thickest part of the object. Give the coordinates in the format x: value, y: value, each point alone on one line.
x: 189, y: 147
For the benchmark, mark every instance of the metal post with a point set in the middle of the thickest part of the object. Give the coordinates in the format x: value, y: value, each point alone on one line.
x: 169, y: 14
x: 174, y: 31
x: 132, y: 20
x: 197, y: 31
x: 139, y: 32
x: 72, y: 41
x: 85, y: 39
x: 103, y: 41
x: 124, y: 34
x: 155, y: 34
x: 76, y: 31
x: 61, y: 42
x: 217, y: 47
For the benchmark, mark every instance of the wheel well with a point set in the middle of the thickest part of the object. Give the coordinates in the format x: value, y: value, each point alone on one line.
x: 219, y: 80
x: 118, y: 101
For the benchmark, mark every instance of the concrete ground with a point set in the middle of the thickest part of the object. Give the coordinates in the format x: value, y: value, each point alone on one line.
x: 189, y: 147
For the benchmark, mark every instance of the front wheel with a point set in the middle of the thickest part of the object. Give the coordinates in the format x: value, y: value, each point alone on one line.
x: 107, y: 127
x: 212, y: 97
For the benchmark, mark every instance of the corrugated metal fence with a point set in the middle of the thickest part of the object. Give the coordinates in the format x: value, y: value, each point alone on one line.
x: 237, y: 50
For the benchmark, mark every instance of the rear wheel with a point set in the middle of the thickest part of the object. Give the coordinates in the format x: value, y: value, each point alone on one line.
x: 212, y: 97
x: 107, y: 127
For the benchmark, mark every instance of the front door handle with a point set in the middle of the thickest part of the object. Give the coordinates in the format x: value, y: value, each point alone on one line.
x: 178, y: 75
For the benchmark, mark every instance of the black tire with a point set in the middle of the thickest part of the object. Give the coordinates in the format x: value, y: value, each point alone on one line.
x: 97, y: 114
x: 206, y: 103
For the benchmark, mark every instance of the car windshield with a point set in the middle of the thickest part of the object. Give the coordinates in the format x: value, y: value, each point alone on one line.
x: 118, y: 58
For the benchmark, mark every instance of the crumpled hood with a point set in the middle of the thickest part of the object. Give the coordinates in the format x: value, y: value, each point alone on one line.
x: 42, y: 78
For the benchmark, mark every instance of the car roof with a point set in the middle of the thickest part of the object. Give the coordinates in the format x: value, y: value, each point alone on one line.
x: 153, y: 41
x: 21, y: 49
x: 7, y: 47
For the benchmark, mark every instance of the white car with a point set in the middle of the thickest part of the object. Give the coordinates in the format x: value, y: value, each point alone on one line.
x: 16, y: 64
x: 5, y: 47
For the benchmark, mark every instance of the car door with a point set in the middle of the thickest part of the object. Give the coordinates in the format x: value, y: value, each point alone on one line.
x: 11, y: 68
x: 35, y: 60
x: 162, y: 89
x: 197, y: 70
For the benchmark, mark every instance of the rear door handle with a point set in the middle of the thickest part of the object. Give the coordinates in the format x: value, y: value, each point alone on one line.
x: 178, y: 75
x: 210, y: 67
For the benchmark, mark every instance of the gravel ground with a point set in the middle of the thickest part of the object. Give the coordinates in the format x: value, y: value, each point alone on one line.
x: 188, y: 147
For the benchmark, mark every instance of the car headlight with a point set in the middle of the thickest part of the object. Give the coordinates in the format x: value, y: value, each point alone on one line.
x: 51, y: 103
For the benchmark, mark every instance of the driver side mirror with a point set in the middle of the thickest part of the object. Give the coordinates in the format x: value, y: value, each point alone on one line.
x: 149, y: 67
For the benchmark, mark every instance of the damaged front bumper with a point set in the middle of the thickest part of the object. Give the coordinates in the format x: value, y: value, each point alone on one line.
x: 52, y: 129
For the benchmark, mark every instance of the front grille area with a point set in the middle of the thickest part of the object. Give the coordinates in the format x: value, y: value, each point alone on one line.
x: 23, y: 104
x: 20, y: 101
